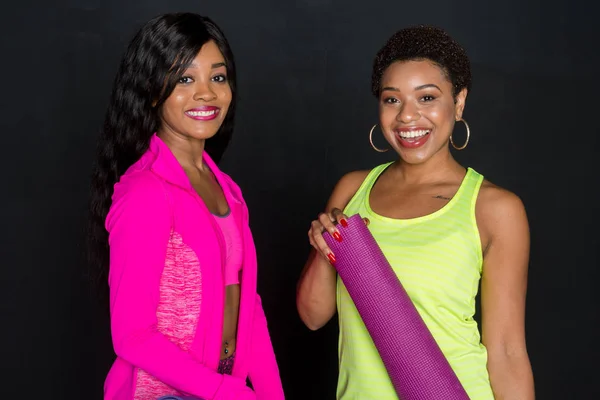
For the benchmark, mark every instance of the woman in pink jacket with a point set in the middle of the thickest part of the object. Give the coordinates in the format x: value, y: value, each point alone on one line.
x: 173, y: 230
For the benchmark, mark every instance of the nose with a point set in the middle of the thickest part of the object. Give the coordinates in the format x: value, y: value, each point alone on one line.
x: 204, y: 92
x: 409, y: 112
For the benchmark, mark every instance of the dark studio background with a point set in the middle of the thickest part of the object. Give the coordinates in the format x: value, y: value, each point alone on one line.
x: 304, y: 114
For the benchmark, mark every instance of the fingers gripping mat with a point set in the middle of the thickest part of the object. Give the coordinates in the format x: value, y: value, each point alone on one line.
x: 416, y: 365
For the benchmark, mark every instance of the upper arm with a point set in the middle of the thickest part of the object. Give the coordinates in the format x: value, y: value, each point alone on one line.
x: 316, y: 300
x: 345, y: 189
x: 505, y: 268
x: 139, y: 226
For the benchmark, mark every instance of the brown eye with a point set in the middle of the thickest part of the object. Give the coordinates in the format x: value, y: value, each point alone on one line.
x: 220, y: 78
x: 185, y: 79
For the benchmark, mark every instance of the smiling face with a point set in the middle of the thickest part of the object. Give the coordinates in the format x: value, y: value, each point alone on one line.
x: 199, y: 103
x: 417, y: 109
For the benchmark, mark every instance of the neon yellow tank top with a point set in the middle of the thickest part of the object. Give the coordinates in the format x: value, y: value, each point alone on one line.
x: 438, y: 259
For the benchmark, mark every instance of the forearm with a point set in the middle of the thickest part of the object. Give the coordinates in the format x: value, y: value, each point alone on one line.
x: 154, y: 353
x: 511, y: 377
x: 315, y: 297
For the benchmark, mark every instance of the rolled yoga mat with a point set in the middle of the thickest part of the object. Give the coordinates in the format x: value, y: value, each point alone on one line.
x: 416, y: 365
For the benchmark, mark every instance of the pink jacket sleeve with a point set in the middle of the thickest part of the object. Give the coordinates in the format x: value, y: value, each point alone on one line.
x: 139, y: 226
x: 263, y: 371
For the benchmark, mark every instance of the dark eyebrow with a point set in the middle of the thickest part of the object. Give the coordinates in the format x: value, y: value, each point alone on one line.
x: 428, y: 85
x: 214, y: 66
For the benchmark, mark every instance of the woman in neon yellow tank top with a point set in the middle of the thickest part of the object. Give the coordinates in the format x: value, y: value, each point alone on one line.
x: 442, y: 227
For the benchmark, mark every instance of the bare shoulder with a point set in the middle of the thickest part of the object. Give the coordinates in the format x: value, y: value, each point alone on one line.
x: 498, y: 201
x: 499, y: 211
x: 346, y: 188
x: 352, y: 180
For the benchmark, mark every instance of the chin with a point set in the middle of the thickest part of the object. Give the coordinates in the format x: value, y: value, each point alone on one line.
x: 423, y: 154
x: 201, y: 134
x: 414, y: 160
x: 414, y: 157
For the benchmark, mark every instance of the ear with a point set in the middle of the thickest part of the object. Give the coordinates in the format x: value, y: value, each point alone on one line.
x: 459, y: 103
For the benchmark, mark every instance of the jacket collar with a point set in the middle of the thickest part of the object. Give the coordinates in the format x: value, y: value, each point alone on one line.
x: 167, y: 167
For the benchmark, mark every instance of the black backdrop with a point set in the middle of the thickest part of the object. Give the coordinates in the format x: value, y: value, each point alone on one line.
x: 303, y: 119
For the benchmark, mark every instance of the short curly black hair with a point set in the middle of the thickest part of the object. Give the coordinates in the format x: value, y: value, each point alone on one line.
x: 424, y: 43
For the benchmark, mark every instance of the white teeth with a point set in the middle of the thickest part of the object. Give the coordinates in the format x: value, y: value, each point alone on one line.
x: 413, y: 134
x: 201, y: 113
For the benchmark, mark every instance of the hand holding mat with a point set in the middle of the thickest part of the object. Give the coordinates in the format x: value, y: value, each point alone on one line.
x: 416, y: 365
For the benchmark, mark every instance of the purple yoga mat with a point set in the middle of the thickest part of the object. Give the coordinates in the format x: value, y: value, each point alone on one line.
x: 416, y: 365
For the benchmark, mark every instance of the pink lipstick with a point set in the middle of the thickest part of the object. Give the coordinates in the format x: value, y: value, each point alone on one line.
x: 204, y: 113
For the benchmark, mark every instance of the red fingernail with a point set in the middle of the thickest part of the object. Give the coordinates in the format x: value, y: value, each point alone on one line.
x: 344, y: 222
x: 331, y: 258
x: 337, y: 236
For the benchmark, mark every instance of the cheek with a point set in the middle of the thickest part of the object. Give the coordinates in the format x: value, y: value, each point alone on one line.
x: 178, y: 99
x: 173, y: 103
x: 436, y: 115
x: 441, y: 115
x: 226, y: 96
x: 387, y: 114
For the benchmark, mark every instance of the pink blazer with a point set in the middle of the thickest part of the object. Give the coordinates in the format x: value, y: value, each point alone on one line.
x: 167, y: 291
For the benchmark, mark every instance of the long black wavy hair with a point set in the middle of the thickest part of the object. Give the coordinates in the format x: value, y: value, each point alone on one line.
x: 154, y: 61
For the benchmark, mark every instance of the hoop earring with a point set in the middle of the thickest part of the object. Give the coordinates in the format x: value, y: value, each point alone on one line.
x: 371, y: 141
x: 468, y: 136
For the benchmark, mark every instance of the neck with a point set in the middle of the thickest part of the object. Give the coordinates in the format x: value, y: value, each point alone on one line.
x: 188, y: 151
x: 439, y: 167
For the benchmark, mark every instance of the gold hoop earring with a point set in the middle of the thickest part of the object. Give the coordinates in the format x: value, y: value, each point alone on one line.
x: 371, y: 141
x: 468, y: 136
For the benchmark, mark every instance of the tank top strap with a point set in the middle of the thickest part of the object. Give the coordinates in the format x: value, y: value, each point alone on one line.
x: 462, y: 205
x: 469, y: 190
x: 365, y: 188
